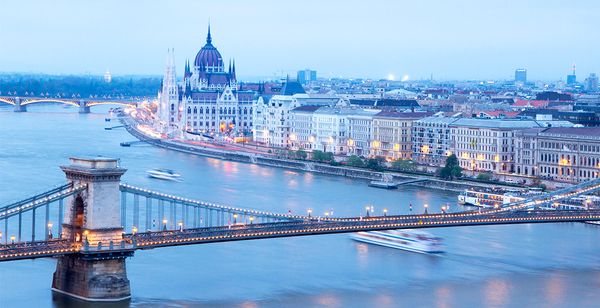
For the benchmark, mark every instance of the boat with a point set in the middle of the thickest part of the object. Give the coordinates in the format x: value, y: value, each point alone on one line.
x: 409, y: 240
x: 494, y: 197
x: 386, y: 182
x: 163, y: 174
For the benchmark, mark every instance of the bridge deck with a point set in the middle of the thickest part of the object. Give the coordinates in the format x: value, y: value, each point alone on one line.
x: 150, y: 240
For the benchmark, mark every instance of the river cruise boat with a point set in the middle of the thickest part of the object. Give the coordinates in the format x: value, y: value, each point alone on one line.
x: 164, y: 174
x: 409, y: 240
x: 494, y: 198
x: 386, y: 182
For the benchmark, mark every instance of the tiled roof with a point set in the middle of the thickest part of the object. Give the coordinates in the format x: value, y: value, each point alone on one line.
x: 403, y: 115
x: 575, y: 131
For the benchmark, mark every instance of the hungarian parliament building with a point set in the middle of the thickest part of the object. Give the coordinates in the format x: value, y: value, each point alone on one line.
x: 208, y: 100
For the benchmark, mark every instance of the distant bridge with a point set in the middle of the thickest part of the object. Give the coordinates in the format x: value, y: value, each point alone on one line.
x: 20, y: 103
x: 94, y: 219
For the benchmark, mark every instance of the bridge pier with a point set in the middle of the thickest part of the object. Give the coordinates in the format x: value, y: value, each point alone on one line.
x: 93, y: 221
x: 83, y: 108
x: 18, y: 106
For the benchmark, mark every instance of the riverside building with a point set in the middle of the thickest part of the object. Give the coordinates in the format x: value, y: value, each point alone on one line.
x: 208, y: 100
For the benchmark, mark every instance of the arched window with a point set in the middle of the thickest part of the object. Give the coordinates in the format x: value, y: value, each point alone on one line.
x: 172, y: 107
x: 195, y: 110
x: 201, y: 110
x: 189, y: 110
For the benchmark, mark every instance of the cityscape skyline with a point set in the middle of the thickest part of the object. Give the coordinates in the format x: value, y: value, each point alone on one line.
x: 512, y: 38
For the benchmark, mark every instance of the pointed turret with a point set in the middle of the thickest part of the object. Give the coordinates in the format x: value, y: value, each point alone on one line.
x: 232, y: 73
x: 208, y: 36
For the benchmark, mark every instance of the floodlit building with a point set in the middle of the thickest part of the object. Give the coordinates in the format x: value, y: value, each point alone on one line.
x: 392, y: 133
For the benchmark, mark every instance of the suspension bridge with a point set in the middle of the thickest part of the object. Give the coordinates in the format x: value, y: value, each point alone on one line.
x: 94, y: 222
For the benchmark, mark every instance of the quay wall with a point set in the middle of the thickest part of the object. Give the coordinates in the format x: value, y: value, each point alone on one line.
x: 308, y: 166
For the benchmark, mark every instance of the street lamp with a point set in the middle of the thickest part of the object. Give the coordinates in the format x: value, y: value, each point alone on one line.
x: 384, y: 212
x: 367, y: 208
x: 180, y: 224
x: 426, y: 206
x: 164, y: 224
x: 235, y: 218
x: 309, y: 212
x: 251, y: 219
x: 134, y: 230
x: 12, y: 239
x: 443, y: 209
x: 50, y: 230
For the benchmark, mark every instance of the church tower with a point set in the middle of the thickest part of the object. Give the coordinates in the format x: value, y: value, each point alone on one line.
x: 168, y: 102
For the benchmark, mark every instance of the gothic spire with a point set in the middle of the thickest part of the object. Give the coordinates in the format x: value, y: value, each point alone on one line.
x: 208, y: 37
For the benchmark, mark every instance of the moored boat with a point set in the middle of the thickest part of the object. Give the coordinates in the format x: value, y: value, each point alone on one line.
x: 386, y: 182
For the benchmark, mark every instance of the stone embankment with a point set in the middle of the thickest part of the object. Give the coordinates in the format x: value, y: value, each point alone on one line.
x: 308, y: 166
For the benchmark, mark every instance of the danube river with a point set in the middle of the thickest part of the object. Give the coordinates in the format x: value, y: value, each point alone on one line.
x: 550, y: 265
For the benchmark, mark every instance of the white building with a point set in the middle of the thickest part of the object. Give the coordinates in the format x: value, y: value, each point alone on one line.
x: 330, y: 129
x: 489, y: 144
x: 392, y: 134
x: 302, y: 136
x: 272, y: 119
x: 360, y: 131
x: 431, y: 139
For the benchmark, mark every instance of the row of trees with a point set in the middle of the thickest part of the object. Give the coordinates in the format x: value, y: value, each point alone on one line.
x: 449, y: 172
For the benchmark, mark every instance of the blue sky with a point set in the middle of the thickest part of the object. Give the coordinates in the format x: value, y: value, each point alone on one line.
x: 460, y: 39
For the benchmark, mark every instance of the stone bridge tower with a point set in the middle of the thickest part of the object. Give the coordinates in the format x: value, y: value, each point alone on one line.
x: 93, y: 222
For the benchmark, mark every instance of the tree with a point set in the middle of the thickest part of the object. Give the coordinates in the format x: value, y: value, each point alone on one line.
x: 355, y: 161
x: 485, y: 176
x: 317, y: 155
x: 404, y: 165
x: 322, y: 156
x: 451, y: 170
x: 375, y: 164
x: 301, y: 154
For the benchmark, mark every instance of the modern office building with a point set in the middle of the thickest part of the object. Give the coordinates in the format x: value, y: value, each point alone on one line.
x: 306, y: 76
x: 521, y: 75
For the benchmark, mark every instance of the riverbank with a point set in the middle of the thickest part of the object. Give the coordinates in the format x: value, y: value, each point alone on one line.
x: 300, y: 165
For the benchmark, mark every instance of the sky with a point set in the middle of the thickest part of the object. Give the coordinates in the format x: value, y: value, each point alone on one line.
x: 446, y: 40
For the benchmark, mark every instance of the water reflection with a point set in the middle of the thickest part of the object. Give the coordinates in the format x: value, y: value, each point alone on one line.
x: 496, y: 292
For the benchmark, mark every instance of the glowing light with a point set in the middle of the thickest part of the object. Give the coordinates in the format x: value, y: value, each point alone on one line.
x: 391, y: 77
x: 405, y: 77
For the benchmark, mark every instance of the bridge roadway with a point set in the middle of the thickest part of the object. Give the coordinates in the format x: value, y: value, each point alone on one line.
x: 313, y: 226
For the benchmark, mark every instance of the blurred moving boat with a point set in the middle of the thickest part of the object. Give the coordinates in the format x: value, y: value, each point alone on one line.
x: 163, y: 174
x: 409, y: 240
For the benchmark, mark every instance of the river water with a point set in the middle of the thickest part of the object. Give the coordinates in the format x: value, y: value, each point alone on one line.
x: 551, y: 265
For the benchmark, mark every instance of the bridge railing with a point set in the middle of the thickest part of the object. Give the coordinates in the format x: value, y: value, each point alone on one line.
x: 163, y: 211
x: 22, y: 218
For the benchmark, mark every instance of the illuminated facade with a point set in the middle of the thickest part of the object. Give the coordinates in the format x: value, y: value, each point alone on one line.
x: 208, y: 100
x: 568, y: 154
x: 432, y: 140
x: 489, y: 144
x: 392, y: 133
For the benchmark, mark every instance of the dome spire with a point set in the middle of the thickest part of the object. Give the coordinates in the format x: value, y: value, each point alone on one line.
x: 208, y: 37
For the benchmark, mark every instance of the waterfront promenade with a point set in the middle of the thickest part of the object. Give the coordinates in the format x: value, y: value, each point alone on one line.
x: 249, y: 155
